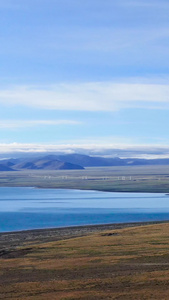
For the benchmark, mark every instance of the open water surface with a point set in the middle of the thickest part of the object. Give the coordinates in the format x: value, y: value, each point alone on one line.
x: 30, y: 208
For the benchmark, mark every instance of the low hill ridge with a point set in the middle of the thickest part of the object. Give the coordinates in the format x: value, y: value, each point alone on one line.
x: 73, y: 162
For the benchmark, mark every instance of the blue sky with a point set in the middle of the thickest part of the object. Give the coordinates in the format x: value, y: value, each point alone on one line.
x: 84, y: 74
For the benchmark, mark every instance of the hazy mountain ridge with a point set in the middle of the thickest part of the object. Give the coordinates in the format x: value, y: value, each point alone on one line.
x: 5, y: 168
x: 98, y: 161
x: 47, y: 163
x: 73, y: 162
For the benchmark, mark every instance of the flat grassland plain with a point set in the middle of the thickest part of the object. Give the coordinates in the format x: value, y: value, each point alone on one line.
x: 92, y: 262
x: 114, y: 179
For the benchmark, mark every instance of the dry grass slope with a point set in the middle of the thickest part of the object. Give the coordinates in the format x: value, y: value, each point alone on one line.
x: 129, y: 263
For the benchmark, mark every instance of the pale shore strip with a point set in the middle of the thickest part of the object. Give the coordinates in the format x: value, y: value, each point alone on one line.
x: 11, y: 240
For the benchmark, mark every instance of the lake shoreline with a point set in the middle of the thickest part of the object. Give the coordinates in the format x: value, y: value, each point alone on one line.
x: 24, y: 210
x: 138, y: 191
x: 14, y: 239
x: 148, y: 179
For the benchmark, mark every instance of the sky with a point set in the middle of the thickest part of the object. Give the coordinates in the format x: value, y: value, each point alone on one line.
x: 84, y: 74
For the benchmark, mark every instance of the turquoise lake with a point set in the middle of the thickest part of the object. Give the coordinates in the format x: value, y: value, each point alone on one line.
x: 31, y: 208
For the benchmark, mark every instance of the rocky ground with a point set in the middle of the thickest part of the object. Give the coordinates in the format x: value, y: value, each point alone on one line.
x: 11, y: 240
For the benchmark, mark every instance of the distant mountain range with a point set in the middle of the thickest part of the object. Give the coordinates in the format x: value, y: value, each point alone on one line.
x: 73, y: 162
x: 42, y: 163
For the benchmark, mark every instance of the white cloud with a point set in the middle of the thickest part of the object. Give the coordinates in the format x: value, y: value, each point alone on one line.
x: 94, y: 96
x: 31, y: 123
x: 95, y: 149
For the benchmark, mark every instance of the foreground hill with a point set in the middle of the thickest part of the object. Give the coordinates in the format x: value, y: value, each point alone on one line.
x: 125, y: 264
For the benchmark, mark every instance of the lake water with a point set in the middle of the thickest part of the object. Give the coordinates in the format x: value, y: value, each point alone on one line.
x: 30, y: 208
